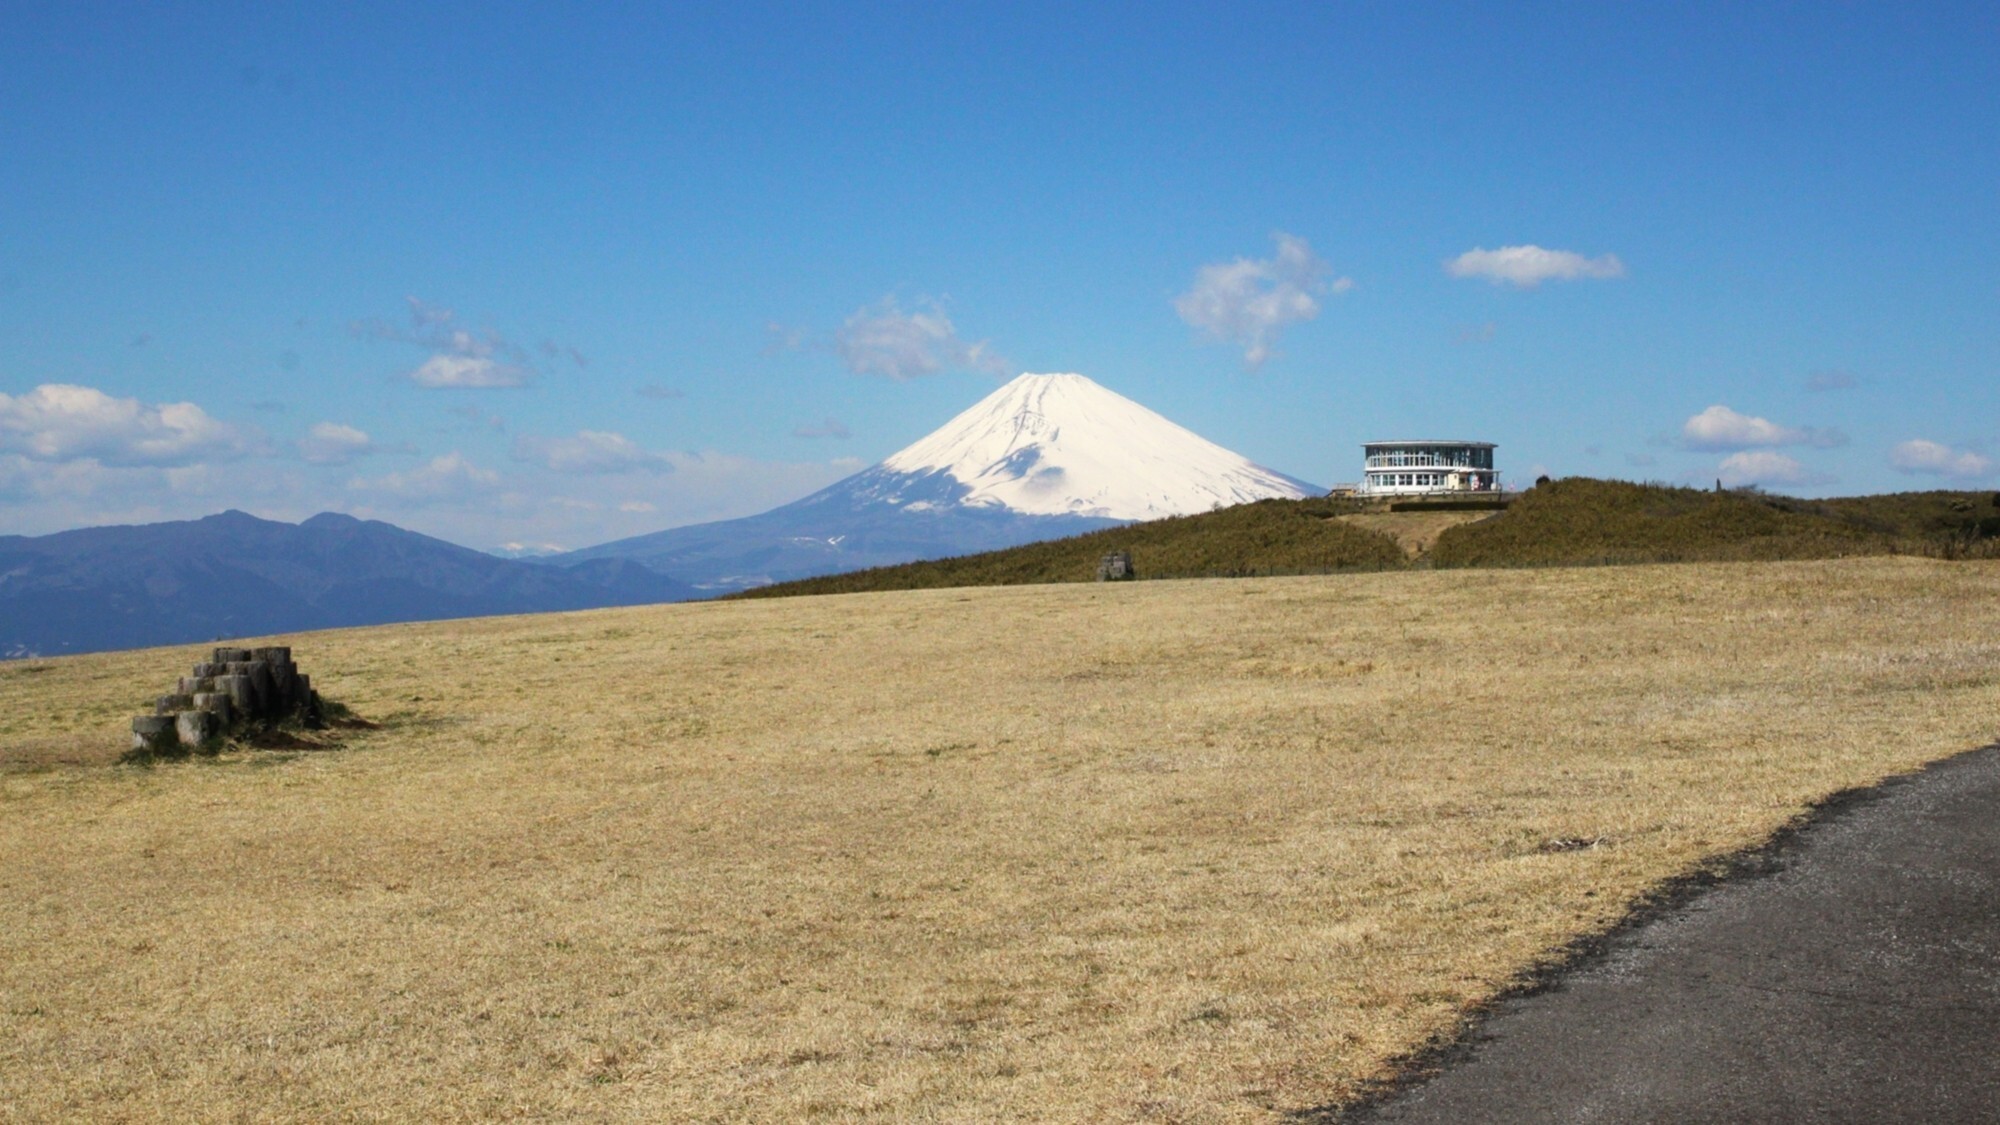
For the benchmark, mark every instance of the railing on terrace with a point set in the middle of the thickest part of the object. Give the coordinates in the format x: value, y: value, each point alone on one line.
x: 1424, y: 460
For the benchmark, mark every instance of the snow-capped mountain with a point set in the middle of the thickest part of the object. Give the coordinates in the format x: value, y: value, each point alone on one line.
x: 1061, y: 445
x: 1042, y: 457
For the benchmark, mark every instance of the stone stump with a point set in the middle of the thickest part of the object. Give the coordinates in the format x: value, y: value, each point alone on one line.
x: 284, y: 675
x: 197, y: 730
x: 154, y: 734
x: 217, y: 703
x: 264, y: 700
x: 236, y: 687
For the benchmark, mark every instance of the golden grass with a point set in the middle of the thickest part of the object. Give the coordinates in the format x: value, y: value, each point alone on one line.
x: 1196, y: 851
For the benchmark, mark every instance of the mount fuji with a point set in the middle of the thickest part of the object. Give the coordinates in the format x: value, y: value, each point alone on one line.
x: 1043, y: 457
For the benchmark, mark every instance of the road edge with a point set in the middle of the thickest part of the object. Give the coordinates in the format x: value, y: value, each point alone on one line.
x: 1589, y: 950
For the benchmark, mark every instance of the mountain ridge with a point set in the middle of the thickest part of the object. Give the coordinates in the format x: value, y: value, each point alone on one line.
x: 233, y: 574
x: 1044, y: 456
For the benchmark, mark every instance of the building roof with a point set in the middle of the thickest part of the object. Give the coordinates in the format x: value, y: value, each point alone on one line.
x: 1432, y: 441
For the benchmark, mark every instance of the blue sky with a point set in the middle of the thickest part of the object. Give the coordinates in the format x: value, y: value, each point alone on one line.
x: 532, y: 275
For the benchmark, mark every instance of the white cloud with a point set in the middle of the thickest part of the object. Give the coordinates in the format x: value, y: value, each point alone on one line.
x: 450, y: 497
x: 704, y: 486
x: 1762, y: 466
x: 1821, y: 381
x: 1249, y: 301
x: 37, y: 497
x: 62, y: 422
x: 554, y: 350
x: 462, y: 358
x: 782, y: 338
x: 1720, y: 428
x: 519, y: 550
x: 474, y: 413
x: 331, y: 443
x: 424, y: 315
x: 1525, y: 267
x: 468, y: 371
x: 443, y: 479
x: 1934, y: 459
x: 590, y: 451
x: 831, y: 427
x: 882, y: 339
x: 24, y: 479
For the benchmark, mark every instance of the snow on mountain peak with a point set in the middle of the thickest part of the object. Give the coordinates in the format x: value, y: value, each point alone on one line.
x: 1063, y: 445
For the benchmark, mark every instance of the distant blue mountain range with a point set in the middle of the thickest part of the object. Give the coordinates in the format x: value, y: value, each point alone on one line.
x: 234, y: 575
x: 877, y: 517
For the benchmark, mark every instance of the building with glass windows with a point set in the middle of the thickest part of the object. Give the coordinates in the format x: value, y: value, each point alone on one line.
x: 1422, y: 468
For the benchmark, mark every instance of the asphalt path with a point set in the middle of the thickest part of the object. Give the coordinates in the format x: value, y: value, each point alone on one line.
x: 1849, y: 972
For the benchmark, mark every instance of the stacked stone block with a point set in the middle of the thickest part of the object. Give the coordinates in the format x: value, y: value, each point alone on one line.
x: 1116, y: 567
x: 236, y: 688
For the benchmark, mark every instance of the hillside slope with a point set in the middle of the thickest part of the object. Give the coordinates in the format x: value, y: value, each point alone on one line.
x: 1584, y: 521
x: 1267, y: 537
x: 1577, y: 521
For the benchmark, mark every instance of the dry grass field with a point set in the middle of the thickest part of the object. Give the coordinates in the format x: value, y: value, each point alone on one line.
x: 1414, y: 532
x: 1162, y: 851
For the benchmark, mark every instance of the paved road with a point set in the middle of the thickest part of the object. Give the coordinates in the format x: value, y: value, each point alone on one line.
x: 1857, y: 979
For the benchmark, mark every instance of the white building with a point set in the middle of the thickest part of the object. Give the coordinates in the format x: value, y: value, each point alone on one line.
x: 1427, y: 468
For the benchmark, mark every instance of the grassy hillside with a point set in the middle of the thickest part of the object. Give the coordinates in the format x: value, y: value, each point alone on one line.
x: 1584, y: 521
x: 1951, y: 522
x: 1580, y: 520
x: 1193, y: 851
x: 1577, y: 521
x: 1265, y: 538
